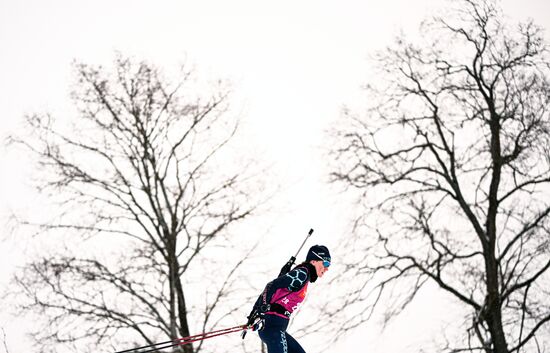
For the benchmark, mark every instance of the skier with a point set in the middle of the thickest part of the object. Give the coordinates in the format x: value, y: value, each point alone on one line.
x: 283, y: 295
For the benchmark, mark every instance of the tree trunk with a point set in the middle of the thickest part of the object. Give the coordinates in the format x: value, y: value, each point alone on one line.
x: 182, y: 314
x: 178, y: 311
x: 494, y: 314
x: 494, y: 307
x: 172, y: 276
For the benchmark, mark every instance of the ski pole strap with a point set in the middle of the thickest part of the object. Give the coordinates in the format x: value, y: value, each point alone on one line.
x: 184, y: 340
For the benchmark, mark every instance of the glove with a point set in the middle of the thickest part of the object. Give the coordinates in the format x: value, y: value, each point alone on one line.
x: 258, y: 324
x: 255, y: 321
x: 252, y: 317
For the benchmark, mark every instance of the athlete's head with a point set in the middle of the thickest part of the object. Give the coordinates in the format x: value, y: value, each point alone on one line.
x: 319, y: 257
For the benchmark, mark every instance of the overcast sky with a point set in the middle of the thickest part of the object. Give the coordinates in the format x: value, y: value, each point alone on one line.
x: 293, y: 64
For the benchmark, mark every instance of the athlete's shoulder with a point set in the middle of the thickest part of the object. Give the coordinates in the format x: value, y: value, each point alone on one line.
x: 300, y: 275
x: 299, y: 271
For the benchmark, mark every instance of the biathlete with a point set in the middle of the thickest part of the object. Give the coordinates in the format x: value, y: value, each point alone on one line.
x: 282, y: 296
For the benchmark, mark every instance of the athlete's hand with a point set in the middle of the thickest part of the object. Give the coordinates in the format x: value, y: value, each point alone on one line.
x: 258, y: 324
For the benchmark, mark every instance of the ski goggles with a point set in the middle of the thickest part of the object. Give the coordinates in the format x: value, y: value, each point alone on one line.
x: 326, y: 260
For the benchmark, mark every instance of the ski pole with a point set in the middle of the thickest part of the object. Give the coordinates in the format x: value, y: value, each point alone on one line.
x: 187, y: 340
x: 184, y: 340
x: 286, y: 268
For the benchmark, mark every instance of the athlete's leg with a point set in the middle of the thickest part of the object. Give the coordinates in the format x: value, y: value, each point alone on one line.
x: 275, y: 340
x: 273, y: 334
x: 293, y: 345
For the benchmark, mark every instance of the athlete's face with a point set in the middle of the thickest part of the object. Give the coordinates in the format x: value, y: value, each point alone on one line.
x: 319, y: 267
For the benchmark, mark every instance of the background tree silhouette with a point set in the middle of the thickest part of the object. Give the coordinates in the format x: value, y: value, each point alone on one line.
x: 148, y: 184
x: 451, y: 164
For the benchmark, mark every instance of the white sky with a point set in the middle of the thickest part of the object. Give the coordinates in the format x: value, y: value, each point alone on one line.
x: 293, y: 64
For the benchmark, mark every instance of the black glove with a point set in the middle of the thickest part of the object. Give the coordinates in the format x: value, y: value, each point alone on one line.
x: 255, y: 320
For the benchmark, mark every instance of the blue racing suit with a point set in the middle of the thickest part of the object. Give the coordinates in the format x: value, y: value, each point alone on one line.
x: 280, y: 298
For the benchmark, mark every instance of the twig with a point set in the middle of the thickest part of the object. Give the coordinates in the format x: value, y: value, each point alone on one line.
x: 4, y: 340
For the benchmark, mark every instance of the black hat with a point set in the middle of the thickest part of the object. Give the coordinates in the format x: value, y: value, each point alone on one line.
x: 318, y: 252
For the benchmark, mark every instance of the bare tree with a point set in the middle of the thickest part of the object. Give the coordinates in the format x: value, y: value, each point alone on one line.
x: 451, y: 162
x: 147, y: 177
